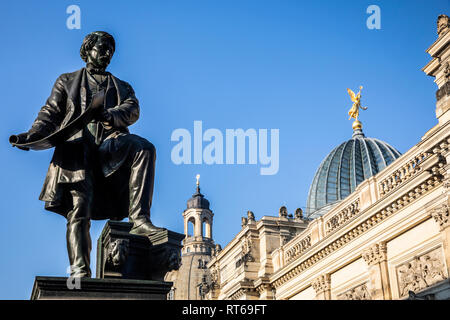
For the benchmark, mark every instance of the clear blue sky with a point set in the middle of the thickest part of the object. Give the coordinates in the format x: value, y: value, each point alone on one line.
x: 232, y: 64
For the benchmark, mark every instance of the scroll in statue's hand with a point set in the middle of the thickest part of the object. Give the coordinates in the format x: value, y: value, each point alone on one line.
x: 25, y: 137
x: 20, y: 138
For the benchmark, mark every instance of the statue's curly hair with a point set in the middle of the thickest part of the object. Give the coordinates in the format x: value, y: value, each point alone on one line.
x: 90, y: 40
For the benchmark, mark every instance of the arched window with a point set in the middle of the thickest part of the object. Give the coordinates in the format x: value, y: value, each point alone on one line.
x: 191, y: 227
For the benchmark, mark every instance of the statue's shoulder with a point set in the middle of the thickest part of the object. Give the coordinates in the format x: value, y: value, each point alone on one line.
x: 121, y: 82
x: 70, y: 75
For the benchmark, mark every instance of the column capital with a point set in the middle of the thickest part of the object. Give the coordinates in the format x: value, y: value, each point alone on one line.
x: 375, y: 253
x: 322, y: 283
x: 441, y: 216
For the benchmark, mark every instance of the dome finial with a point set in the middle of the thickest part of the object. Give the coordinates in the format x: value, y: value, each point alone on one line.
x: 197, y: 177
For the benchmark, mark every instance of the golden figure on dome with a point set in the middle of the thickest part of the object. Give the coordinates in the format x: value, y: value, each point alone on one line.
x: 356, y: 98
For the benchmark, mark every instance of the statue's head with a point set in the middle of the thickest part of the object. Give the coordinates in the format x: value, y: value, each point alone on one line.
x: 97, y: 49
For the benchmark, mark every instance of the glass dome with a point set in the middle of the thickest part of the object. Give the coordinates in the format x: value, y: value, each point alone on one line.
x: 344, y: 168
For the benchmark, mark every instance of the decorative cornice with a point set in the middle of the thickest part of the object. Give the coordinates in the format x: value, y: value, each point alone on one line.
x: 237, y: 294
x: 375, y: 254
x: 241, y: 292
x: 265, y: 286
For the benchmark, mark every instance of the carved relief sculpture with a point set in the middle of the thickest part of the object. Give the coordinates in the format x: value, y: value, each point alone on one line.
x: 117, y: 253
x: 421, y: 272
x: 357, y: 293
x: 443, y: 24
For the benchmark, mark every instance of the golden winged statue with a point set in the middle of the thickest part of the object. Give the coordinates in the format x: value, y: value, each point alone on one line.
x: 356, y: 98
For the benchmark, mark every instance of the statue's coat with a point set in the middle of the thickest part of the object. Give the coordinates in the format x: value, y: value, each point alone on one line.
x: 66, y: 102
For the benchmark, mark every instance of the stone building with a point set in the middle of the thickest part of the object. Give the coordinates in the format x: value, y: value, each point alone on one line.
x: 379, y: 224
x: 191, y: 280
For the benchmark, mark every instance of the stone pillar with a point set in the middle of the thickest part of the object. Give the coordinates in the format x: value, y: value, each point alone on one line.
x: 322, y: 286
x: 376, y: 258
x: 186, y: 228
x: 198, y: 230
x: 209, y: 228
x: 442, y: 217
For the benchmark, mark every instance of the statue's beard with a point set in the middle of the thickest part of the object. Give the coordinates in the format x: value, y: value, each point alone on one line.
x: 100, y: 63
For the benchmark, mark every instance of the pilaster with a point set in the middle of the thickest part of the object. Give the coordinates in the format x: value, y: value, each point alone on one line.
x: 322, y: 287
x: 376, y: 258
x: 442, y: 217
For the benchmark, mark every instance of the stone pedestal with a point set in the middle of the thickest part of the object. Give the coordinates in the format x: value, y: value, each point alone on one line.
x: 127, y: 256
x: 62, y: 288
x: 128, y: 267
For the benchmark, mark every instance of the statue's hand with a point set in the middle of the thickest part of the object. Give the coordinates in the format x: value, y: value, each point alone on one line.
x: 104, y: 116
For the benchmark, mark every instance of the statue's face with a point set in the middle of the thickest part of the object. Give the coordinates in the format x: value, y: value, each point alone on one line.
x: 101, y: 53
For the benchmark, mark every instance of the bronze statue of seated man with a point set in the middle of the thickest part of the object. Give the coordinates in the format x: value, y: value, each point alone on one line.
x: 102, y: 171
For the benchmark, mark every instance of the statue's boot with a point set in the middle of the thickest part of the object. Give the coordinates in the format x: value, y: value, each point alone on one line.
x: 142, y: 176
x: 77, y: 236
x: 146, y: 229
x: 79, y: 247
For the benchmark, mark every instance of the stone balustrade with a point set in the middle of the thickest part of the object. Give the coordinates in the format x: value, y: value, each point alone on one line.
x: 344, y: 215
x: 404, y: 173
x: 297, y: 248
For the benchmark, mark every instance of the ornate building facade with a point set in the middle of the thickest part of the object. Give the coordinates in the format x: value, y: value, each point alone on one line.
x: 383, y: 234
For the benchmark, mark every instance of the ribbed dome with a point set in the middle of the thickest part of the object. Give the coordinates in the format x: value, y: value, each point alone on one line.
x: 198, y: 201
x: 344, y: 168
